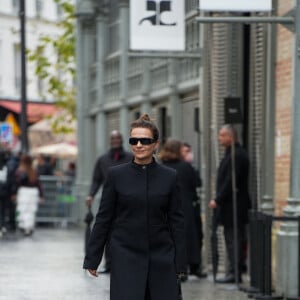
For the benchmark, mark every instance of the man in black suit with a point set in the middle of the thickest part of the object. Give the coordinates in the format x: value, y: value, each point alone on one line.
x: 116, y: 155
x: 224, y: 199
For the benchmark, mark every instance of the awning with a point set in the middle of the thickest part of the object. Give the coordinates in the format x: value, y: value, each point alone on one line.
x: 35, y: 111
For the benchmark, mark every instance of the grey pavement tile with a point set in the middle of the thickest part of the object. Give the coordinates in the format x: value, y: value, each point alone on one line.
x: 48, y: 265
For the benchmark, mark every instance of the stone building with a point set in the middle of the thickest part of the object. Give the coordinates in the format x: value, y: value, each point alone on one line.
x: 114, y: 88
x: 251, y: 62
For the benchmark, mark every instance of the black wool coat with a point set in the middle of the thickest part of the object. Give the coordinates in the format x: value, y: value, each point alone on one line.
x: 188, y: 182
x: 224, y: 188
x: 102, y: 165
x: 141, y: 212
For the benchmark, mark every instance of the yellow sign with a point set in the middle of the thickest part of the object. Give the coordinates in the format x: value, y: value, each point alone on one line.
x: 10, y: 119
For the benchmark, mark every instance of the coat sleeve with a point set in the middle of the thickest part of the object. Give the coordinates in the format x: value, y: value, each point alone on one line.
x: 102, y: 226
x: 225, y: 191
x: 176, y: 223
x: 97, y: 178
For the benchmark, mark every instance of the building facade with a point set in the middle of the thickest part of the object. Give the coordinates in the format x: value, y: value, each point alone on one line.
x: 114, y: 88
x: 186, y: 96
x: 41, y: 19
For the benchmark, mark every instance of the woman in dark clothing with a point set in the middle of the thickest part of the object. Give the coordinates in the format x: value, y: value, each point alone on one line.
x: 28, y: 193
x: 4, y: 190
x: 141, y: 213
x: 170, y: 156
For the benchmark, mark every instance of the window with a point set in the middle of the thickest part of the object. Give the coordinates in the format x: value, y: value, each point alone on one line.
x: 39, y: 8
x: 17, y: 66
x: 16, y: 6
x: 59, y: 11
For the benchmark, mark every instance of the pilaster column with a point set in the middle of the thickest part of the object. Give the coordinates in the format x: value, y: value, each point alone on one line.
x: 84, y: 14
x: 175, y: 103
x: 267, y: 205
x: 146, y: 106
x: 100, y: 118
x: 124, y: 45
x: 287, y: 240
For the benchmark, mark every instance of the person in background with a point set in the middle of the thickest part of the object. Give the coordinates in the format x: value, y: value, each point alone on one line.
x: 170, y: 156
x: 27, y: 192
x: 141, y: 207
x: 13, y: 163
x: 44, y: 167
x: 223, y: 201
x: 187, y: 155
x: 4, y: 191
x: 116, y: 155
x: 71, y: 170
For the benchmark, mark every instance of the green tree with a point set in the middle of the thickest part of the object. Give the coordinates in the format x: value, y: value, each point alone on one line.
x: 59, y: 77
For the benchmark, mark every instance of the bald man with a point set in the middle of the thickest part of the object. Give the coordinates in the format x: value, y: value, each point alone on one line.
x: 116, y: 155
x: 223, y: 201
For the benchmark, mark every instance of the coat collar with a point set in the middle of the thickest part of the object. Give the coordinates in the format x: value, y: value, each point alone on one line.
x: 147, y: 166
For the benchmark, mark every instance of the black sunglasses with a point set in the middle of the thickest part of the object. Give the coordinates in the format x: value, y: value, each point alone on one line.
x: 143, y: 141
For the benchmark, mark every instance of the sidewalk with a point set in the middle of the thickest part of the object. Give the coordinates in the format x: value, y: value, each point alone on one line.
x: 48, y: 265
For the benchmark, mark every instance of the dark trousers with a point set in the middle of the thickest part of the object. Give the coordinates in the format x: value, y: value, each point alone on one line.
x: 2, y: 211
x: 229, y: 241
x: 199, y: 228
x: 12, y: 214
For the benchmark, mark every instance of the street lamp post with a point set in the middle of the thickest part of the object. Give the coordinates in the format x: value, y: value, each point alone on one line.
x: 23, y: 116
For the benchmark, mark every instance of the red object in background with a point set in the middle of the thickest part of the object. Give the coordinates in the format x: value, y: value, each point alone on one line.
x: 35, y: 111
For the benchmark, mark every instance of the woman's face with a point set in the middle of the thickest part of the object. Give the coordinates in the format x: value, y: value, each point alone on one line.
x: 143, y: 153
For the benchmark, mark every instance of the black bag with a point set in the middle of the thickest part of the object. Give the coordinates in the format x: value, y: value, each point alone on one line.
x: 179, y: 288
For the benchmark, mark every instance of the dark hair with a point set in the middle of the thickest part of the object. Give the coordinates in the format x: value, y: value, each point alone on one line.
x: 26, y: 166
x: 144, y: 121
x: 185, y: 144
x: 170, y: 150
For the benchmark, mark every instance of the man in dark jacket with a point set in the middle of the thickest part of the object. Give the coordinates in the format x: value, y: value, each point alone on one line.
x: 224, y: 198
x: 115, y: 156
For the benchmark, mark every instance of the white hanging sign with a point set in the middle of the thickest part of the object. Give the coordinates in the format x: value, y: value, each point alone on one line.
x: 157, y: 25
x: 236, y: 5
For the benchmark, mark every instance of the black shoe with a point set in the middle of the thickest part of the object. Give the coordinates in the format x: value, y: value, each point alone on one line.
x: 183, y: 278
x: 104, y: 271
x: 228, y: 279
x: 199, y: 274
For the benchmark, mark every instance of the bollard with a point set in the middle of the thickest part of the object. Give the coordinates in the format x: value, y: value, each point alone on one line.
x: 254, y: 251
x: 266, y: 284
x: 297, y: 298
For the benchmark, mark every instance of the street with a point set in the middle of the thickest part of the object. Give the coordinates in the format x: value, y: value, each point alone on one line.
x: 48, y: 265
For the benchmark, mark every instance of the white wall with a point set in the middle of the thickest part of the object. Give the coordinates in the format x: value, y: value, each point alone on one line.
x: 10, y: 35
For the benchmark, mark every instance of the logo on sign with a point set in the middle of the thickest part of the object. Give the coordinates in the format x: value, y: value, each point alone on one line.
x: 159, y: 8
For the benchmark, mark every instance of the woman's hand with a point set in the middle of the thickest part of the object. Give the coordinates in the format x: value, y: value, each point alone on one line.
x: 93, y: 272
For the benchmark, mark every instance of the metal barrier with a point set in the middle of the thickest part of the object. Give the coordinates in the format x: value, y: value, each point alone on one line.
x: 60, y: 205
x: 261, y: 255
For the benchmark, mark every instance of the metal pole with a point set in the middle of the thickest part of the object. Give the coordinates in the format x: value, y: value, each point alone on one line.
x: 247, y: 20
x: 23, y: 116
x: 269, y: 126
x: 234, y: 207
x: 182, y: 55
x: 295, y: 158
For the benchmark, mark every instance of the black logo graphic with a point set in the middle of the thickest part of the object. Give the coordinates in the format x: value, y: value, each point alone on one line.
x: 159, y: 7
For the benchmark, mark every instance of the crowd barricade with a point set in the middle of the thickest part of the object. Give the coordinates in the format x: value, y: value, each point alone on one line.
x: 260, y: 227
x: 60, y: 203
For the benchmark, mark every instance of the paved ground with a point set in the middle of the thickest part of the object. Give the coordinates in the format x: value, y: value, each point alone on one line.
x: 48, y: 266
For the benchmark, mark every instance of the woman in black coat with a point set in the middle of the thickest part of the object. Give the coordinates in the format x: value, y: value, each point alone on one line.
x: 188, y: 181
x: 141, y: 212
